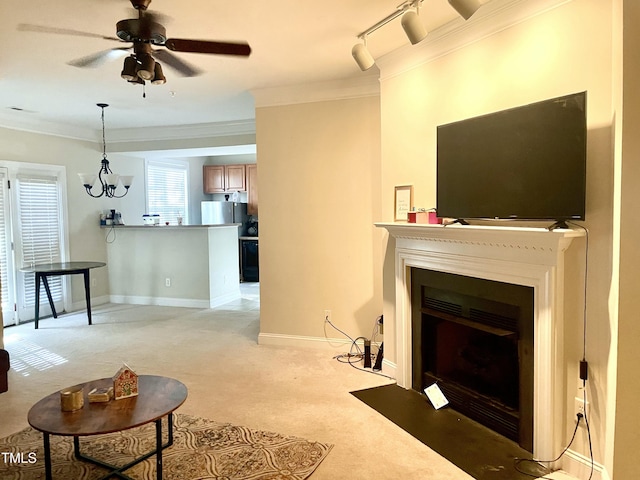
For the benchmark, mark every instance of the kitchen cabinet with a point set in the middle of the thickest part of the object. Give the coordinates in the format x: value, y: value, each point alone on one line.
x: 252, y: 190
x: 224, y: 178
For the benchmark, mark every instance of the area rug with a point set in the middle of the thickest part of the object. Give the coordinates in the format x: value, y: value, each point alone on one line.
x: 202, y: 449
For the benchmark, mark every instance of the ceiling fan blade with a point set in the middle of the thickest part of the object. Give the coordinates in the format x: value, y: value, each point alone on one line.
x: 208, y: 46
x: 26, y: 27
x: 96, y: 59
x: 182, y: 67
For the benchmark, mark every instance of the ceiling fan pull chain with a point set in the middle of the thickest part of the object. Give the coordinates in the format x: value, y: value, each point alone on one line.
x: 144, y: 91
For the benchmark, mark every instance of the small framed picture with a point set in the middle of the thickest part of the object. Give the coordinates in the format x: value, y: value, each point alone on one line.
x: 403, y: 201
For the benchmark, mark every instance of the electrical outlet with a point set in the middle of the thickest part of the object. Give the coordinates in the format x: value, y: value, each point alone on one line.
x: 94, y: 282
x: 580, y: 406
x: 167, y: 282
x: 327, y: 315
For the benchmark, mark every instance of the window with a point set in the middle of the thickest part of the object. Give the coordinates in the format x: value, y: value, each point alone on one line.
x: 167, y: 189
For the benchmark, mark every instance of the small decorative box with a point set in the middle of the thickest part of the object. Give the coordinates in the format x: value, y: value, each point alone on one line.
x: 101, y: 394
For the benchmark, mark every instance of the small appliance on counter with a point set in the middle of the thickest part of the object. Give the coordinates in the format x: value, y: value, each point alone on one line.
x: 252, y: 228
x: 112, y: 217
x: 151, y: 219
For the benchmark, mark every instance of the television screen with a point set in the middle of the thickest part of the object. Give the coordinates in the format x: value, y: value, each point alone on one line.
x: 525, y: 163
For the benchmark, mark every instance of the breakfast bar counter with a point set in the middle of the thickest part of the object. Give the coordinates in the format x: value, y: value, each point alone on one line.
x: 179, y: 265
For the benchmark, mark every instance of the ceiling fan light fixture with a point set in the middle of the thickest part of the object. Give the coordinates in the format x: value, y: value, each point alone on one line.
x: 129, y: 68
x: 146, y: 67
x: 158, y: 76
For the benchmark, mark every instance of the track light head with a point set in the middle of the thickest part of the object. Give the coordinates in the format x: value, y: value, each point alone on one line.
x: 413, y: 27
x: 465, y: 8
x: 362, y: 56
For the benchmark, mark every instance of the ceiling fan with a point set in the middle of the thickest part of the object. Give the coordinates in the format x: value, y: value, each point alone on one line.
x: 145, y: 32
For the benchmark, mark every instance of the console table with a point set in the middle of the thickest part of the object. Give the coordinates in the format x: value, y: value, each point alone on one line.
x: 45, y: 270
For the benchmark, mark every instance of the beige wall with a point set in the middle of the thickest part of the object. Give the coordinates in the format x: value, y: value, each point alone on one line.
x: 625, y: 403
x: 566, y: 49
x: 319, y: 178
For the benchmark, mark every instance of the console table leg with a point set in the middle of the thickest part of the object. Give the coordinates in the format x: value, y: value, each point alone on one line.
x: 159, y: 449
x: 47, y: 456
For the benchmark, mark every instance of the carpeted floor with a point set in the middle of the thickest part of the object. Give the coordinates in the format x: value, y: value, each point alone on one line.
x: 202, y: 449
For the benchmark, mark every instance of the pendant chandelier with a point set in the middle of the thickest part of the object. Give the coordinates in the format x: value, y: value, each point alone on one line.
x: 109, y: 181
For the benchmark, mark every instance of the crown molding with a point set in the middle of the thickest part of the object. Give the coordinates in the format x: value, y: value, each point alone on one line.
x: 22, y: 122
x: 342, y: 89
x: 491, y: 18
x: 182, y: 132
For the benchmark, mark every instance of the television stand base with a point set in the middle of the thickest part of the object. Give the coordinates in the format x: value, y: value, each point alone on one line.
x: 461, y: 221
x: 558, y: 224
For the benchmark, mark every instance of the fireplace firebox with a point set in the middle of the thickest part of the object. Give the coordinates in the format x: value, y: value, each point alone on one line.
x: 474, y: 338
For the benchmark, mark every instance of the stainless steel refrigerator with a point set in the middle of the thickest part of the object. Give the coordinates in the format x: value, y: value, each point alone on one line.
x: 216, y: 213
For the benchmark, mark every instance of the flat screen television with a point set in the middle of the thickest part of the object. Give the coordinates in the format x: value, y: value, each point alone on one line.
x: 526, y: 163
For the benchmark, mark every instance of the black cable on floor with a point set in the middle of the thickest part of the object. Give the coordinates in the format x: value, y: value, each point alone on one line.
x: 517, y: 461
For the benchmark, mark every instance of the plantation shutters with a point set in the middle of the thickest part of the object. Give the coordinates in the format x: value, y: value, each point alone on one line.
x: 40, y: 219
x: 6, y: 264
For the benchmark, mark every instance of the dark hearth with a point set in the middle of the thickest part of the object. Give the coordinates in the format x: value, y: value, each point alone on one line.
x: 474, y: 338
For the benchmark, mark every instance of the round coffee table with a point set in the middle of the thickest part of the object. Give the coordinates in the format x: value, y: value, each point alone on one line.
x: 158, y: 397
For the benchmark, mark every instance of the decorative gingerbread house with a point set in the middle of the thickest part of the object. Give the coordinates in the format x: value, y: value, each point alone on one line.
x: 125, y: 383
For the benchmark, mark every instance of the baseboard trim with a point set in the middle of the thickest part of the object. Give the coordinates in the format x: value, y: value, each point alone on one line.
x: 222, y: 299
x: 160, y: 301
x: 95, y: 301
x: 334, y: 345
x: 579, y: 466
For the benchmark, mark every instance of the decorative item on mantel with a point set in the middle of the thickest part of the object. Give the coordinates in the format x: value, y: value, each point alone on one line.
x: 125, y: 383
x: 422, y: 215
x: 108, y: 180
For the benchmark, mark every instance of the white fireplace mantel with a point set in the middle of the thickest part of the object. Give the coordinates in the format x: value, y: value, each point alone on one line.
x: 531, y: 257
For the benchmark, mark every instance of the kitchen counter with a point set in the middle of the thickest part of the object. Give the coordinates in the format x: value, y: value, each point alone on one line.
x: 163, y: 226
x: 180, y: 265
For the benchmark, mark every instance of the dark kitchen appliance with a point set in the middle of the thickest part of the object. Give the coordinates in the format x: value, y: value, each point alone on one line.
x: 250, y: 263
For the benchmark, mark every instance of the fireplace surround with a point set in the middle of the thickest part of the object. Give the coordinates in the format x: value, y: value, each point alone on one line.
x: 526, y: 256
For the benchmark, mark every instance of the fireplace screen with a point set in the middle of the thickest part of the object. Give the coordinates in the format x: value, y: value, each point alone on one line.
x: 473, y: 338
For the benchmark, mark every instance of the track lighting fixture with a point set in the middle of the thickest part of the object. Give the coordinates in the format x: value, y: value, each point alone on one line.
x: 411, y: 23
x: 413, y: 27
x: 362, y: 56
x: 108, y: 180
x: 414, y: 30
x: 465, y: 8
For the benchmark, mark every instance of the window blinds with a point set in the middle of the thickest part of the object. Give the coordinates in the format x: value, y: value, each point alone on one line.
x: 167, y: 190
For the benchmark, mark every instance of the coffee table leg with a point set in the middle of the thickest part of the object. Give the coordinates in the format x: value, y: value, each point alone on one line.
x: 159, y: 449
x: 47, y: 456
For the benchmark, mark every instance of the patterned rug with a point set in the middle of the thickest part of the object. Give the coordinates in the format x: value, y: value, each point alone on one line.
x: 202, y: 449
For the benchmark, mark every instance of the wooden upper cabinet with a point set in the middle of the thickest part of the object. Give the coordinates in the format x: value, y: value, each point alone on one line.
x: 213, y: 178
x: 223, y: 178
x: 234, y: 176
x: 252, y: 189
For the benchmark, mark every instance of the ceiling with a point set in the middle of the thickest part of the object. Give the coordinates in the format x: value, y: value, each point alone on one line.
x: 292, y: 42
